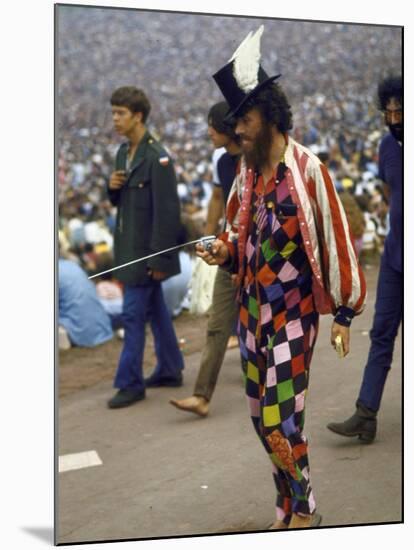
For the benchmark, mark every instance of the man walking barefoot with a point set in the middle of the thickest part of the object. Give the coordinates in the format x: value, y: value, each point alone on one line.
x: 223, y: 310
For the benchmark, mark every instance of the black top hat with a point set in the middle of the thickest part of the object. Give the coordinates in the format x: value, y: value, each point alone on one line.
x: 235, y: 96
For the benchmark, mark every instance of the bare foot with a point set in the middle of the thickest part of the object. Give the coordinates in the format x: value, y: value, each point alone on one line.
x: 195, y: 404
x: 233, y: 342
x: 277, y: 525
x: 304, y: 522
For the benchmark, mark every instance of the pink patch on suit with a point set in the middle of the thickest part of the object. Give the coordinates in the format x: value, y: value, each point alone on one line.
x: 312, y: 504
x: 294, y: 329
x: 265, y: 313
x: 282, y: 353
x: 300, y: 401
x: 292, y: 297
x: 254, y: 406
x: 288, y: 273
x: 312, y: 335
x: 250, y: 341
x: 249, y: 250
x: 282, y: 191
x: 271, y: 377
x: 275, y: 224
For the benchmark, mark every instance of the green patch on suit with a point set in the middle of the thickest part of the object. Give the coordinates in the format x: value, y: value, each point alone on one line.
x: 271, y: 416
x: 285, y: 391
x: 253, y: 308
x: 288, y: 249
x: 252, y: 372
x: 268, y: 251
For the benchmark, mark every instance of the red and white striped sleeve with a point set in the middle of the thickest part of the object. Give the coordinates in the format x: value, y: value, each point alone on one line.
x: 347, y: 286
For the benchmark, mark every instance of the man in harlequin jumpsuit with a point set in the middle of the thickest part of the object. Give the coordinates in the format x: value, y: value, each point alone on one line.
x: 288, y: 243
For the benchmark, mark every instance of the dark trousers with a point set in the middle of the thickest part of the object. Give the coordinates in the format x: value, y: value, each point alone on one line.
x: 387, y: 318
x: 142, y: 304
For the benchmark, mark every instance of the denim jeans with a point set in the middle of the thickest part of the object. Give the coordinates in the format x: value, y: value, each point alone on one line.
x: 142, y: 304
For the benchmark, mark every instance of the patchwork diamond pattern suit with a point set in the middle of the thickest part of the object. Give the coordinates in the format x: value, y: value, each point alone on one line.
x: 278, y: 325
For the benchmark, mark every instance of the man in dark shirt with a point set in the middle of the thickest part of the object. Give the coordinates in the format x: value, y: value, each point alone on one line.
x: 223, y: 311
x: 388, y: 305
x: 225, y: 160
x: 226, y: 169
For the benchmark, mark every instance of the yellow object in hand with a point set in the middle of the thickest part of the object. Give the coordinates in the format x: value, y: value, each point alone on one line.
x: 339, y: 346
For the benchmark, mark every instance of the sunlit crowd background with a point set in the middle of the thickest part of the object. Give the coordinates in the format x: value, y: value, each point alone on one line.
x: 330, y: 73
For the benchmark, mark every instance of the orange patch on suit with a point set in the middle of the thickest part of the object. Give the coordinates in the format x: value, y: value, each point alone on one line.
x: 298, y: 365
x: 244, y: 316
x: 282, y: 449
x: 299, y: 450
x: 279, y: 321
x: 287, y: 505
x: 266, y: 276
x: 249, y: 275
x: 306, y: 305
x: 291, y: 226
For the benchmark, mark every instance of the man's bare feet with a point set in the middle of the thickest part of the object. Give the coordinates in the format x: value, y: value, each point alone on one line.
x: 195, y: 404
x: 277, y: 525
x: 233, y: 342
x: 304, y: 522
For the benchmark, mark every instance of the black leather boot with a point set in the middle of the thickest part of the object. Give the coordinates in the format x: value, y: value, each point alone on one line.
x: 363, y: 423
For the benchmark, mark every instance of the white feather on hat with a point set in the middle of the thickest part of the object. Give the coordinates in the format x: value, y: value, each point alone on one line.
x: 247, y: 61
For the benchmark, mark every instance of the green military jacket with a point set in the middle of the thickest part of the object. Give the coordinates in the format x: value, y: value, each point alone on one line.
x: 148, y: 213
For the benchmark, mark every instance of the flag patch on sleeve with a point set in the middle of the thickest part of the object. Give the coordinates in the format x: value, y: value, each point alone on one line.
x: 164, y: 161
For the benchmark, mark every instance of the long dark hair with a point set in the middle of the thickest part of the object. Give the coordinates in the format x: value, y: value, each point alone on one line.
x: 389, y: 87
x: 274, y: 106
x: 216, y: 119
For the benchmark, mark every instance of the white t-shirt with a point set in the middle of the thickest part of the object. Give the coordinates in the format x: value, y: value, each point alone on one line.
x: 216, y: 156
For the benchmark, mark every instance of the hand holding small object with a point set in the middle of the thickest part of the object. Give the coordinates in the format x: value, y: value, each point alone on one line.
x: 212, y: 252
x: 207, y: 243
x: 340, y: 337
x: 339, y: 346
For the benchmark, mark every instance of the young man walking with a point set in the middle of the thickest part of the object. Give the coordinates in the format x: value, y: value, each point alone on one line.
x: 143, y: 188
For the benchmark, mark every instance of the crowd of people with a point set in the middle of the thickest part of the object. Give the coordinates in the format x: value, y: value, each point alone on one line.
x: 330, y: 71
x: 287, y: 253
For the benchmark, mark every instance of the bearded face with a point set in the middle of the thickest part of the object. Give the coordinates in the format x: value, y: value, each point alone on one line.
x: 394, y: 118
x: 397, y: 131
x: 255, y: 138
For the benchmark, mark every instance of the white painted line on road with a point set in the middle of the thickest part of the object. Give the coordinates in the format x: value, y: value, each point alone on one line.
x: 79, y: 460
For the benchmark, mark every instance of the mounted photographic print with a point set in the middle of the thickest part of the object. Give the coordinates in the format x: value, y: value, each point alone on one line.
x: 230, y: 288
